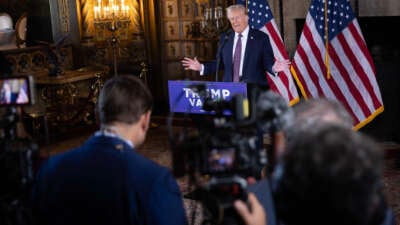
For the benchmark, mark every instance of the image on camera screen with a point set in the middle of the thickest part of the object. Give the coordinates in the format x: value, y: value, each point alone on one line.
x: 221, y: 160
x: 16, y: 90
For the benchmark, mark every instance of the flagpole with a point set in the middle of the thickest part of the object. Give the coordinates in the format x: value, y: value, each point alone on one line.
x: 281, y: 19
x: 356, y: 11
x: 328, y: 68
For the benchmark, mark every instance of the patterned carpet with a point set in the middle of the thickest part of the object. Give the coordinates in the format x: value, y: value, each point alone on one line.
x: 157, y: 148
x: 391, y: 179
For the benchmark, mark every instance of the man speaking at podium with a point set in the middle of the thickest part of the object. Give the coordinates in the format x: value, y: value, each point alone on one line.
x: 245, y: 55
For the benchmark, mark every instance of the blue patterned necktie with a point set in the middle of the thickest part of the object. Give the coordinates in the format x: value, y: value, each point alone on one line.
x: 236, y: 59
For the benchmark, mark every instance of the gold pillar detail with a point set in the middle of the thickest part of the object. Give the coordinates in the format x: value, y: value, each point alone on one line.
x: 135, y: 17
x: 63, y: 9
x: 86, y: 7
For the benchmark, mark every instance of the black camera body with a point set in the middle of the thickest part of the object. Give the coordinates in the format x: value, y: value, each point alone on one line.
x: 225, y: 151
x: 17, y: 154
x: 225, y: 163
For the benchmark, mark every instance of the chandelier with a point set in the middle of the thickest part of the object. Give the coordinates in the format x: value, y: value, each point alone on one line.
x: 213, y: 20
x: 112, y: 16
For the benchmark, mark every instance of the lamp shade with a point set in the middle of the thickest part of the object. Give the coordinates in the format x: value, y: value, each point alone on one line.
x: 6, y: 29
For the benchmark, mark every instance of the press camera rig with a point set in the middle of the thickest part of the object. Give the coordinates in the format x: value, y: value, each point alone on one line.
x: 226, y: 150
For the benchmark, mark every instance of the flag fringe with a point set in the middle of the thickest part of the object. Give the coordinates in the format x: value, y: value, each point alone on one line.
x: 294, y: 101
x: 369, y: 118
x: 302, y: 90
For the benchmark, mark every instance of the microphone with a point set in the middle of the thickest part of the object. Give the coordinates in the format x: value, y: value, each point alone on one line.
x: 198, y: 87
x: 216, y: 105
x: 220, y: 47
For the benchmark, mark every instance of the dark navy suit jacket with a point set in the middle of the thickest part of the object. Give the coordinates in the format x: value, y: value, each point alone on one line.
x: 106, y: 182
x: 258, y: 58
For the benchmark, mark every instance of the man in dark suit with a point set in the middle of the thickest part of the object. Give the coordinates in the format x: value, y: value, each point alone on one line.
x: 105, y: 181
x: 251, y: 57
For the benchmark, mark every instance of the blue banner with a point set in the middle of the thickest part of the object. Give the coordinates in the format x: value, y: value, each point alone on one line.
x: 184, y: 96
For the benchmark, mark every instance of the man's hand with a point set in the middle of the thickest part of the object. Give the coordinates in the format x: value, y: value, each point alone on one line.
x: 280, y: 65
x: 255, y: 216
x: 191, y: 64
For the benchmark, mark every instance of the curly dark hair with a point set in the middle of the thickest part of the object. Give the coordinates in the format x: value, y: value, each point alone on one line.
x: 331, y: 175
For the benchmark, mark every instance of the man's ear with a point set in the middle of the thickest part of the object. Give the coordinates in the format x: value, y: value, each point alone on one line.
x: 145, y: 120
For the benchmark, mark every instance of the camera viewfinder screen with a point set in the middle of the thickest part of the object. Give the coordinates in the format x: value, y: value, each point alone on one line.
x: 221, y: 160
x: 14, y: 91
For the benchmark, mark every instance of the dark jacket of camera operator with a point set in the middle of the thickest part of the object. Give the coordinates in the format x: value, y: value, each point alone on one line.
x: 105, y: 181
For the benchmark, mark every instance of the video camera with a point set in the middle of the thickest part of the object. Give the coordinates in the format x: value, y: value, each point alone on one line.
x: 226, y: 149
x: 15, y: 91
x: 17, y: 154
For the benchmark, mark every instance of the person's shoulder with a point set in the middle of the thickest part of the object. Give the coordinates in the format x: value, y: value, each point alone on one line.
x: 258, y: 33
x: 147, y: 173
x: 226, y: 35
x: 228, y: 32
x: 59, y: 160
x: 136, y: 163
x: 69, y: 155
x: 143, y: 163
x: 121, y: 151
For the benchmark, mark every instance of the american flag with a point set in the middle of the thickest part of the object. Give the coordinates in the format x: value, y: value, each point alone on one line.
x: 260, y: 17
x: 347, y: 72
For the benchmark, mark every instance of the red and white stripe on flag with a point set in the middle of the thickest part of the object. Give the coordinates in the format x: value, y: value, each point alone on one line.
x: 284, y: 83
x: 352, y: 73
x: 260, y: 17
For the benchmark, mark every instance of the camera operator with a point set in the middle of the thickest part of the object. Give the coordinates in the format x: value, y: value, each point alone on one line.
x: 307, y: 116
x: 105, y: 181
x: 307, y: 113
x: 330, y: 175
x: 18, y: 152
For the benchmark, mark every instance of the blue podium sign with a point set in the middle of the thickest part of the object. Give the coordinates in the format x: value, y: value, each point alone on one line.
x: 184, y: 98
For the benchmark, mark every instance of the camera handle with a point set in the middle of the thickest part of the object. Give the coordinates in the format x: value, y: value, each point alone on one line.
x: 19, y: 125
x: 13, y: 125
x: 221, y: 192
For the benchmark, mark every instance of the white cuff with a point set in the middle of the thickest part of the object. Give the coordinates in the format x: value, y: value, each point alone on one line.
x: 202, y: 70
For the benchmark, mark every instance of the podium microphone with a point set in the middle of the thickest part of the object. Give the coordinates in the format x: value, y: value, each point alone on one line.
x: 220, y: 47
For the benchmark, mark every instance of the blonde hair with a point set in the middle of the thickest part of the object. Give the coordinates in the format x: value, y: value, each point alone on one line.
x: 236, y: 7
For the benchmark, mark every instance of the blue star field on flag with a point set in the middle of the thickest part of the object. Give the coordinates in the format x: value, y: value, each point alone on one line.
x: 259, y: 12
x: 340, y: 15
